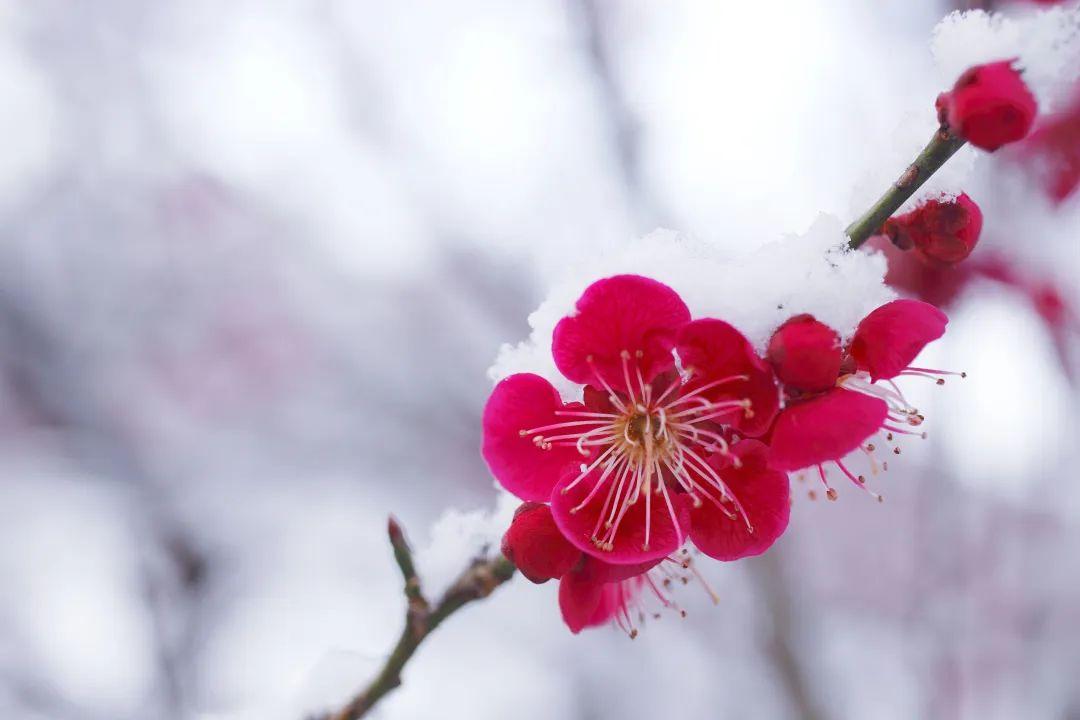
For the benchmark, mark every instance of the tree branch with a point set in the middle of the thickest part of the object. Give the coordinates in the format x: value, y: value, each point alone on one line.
x: 940, y: 148
x: 477, y: 581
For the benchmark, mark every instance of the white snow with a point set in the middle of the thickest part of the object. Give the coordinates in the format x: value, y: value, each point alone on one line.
x: 1046, y: 43
x: 458, y: 536
x: 809, y: 273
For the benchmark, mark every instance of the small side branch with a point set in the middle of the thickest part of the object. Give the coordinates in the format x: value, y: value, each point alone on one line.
x: 941, y: 147
x: 477, y: 581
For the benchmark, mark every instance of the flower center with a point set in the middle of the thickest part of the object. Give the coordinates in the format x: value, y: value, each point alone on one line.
x: 652, y: 444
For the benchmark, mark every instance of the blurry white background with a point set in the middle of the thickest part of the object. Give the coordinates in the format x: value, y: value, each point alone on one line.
x: 256, y: 256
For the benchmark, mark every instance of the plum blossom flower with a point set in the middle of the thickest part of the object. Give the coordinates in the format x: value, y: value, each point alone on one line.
x: 990, y: 106
x: 836, y: 397
x: 591, y: 591
x: 649, y: 456
x: 941, y: 230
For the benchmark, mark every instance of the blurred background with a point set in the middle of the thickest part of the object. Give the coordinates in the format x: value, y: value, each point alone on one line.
x: 256, y: 257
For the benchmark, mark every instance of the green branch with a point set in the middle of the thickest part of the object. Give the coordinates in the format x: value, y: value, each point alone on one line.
x: 940, y: 148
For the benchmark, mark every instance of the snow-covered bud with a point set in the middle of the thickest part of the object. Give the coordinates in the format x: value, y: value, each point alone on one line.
x: 989, y: 106
x: 535, y: 545
x: 943, y: 230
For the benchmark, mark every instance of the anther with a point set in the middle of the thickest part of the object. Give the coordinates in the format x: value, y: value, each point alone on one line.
x: 639, y: 354
x: 870, y: 447
x: 831, y: 493
x: 941, y: 381
x: 896, y: 451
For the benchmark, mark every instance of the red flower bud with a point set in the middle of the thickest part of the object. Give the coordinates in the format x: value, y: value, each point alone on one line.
x: 805, y: 354
x: 989, y: 106
x: 536, y: 546
x: 942, y: 231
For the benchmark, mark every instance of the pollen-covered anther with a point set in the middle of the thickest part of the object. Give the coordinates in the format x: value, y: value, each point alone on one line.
x: 832, y: 494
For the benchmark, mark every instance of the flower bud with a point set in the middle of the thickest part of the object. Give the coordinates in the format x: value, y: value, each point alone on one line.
x: 942, y: 231
x: 805, y: 354
x: 536, y: 546
x: 989, y: 106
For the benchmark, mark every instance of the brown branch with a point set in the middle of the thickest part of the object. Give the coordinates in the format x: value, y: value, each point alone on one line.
x: 477, y: 581
x: 941, y: 147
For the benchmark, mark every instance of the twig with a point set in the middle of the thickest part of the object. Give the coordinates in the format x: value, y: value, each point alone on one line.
x: 941, y: 147
x: 477, y: 581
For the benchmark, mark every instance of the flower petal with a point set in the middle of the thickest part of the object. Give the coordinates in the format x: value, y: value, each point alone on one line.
x: 889, y: 338
x: 764, y: 494
x: 806, y: 354
x: 579, y: 518
x: 596, y: 592
x: 523, y: 402
x: 824, y: 428
x: 599, y: 571
x: 580, y: 601
x: 624, y: 313
x: 712, y: 350
x: 536, y: 546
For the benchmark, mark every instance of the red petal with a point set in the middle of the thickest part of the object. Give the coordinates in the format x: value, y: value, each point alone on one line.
x: 580, y: 601
x: 806, y: 354
x: 990, y: 106
x: 523, y: 402
x: 629, y: 543
x: 627, y: 313
x: 599, y: 571
x: 596, y: 592
x: 889, y: 338
x: 535, y: 545
x: 764, y: 494
x: 825, y: 428
x: 712, y: 350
